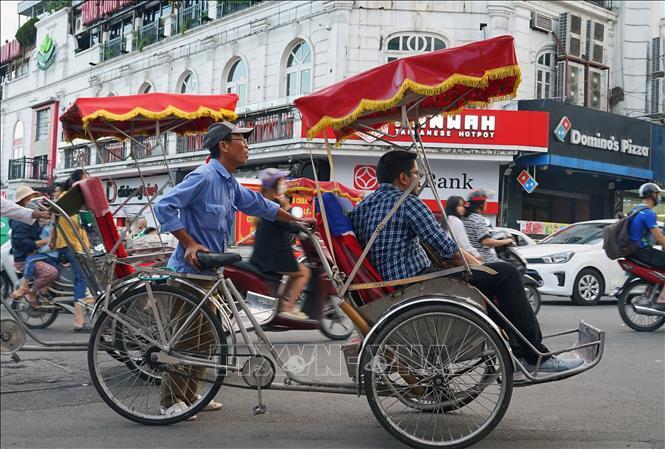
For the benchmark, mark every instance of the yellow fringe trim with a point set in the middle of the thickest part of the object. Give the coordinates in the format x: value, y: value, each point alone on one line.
x: 422, y: 89
x: 313, y: 191
x: 202, y: 111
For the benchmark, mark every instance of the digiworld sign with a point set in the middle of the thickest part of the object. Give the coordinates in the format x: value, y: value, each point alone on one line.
x: 473, y: 129
x: 592, y: 135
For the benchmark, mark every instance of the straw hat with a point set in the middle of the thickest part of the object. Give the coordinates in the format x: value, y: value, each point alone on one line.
x: 23, y: 192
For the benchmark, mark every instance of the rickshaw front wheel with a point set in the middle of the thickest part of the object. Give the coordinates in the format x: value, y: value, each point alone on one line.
x: 444, y: 360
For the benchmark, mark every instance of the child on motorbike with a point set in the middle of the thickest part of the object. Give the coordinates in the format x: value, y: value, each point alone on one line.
x: 272, y: 246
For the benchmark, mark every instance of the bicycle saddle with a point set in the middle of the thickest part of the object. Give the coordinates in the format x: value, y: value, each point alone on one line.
x: 211, y: 261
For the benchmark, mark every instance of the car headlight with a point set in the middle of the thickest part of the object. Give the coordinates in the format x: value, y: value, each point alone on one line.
x: 559, y: 257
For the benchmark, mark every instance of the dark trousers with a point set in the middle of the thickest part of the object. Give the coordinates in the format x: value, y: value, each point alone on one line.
x: 653, y: 257
x: 505, y: 289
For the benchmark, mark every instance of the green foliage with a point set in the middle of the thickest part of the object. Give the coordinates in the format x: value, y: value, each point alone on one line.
x: 56, y: 5
x: 27, y: 33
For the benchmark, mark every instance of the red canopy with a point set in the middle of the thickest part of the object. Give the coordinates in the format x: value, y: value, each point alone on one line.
x: 473, y: 74
x: 306, y: 186
x: 136, y: 115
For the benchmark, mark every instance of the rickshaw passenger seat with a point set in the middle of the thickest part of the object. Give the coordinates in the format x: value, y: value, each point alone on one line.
x: 347, y: 250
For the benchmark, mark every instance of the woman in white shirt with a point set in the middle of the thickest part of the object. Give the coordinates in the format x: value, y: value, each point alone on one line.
x: 455, y: 210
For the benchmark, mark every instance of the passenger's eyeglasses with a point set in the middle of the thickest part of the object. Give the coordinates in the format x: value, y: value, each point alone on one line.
x: 417, y: 173
x: 242, y: 139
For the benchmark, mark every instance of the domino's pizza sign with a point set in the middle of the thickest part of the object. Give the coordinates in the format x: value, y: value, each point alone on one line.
x: 561, y: 130
x: 527, y: 182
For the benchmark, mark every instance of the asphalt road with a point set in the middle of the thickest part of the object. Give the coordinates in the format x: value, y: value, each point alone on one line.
x: 47, y: 401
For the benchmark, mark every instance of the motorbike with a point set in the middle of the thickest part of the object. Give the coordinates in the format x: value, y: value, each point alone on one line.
x: 638, y: 293
x: 530, y: 279
x: 260, y: 290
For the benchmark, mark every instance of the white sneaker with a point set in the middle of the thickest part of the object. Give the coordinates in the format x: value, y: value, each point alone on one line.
x: 556, y: 364
x: 176, y: 409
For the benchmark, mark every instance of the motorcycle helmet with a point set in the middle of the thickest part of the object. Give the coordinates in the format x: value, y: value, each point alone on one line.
x: 648, y: 189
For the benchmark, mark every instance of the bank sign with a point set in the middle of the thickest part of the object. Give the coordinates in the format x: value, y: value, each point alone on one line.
x: 472, y: 129
x: 592, y: 135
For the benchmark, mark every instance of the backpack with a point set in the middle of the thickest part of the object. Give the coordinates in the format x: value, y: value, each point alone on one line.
x: 616, y: 237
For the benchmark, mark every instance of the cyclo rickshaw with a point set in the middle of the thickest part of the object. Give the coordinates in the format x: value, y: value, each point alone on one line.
x: 436, y: 370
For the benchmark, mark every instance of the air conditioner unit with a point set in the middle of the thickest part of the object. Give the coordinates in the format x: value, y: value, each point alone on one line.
x: 572, y: 34
x: 575, y: 91
x: 541, y: 22
x: 656, y: 66
x: 595, y: 50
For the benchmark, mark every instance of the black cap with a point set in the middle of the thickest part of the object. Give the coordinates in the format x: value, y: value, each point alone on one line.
x: 220, y: 131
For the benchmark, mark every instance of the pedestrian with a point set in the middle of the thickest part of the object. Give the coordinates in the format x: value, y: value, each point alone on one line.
x: 68, y: 244
x: 199, y: 212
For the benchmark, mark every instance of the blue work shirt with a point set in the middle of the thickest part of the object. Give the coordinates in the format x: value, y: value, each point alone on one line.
x: 642, y: 222
x: 204, y: 205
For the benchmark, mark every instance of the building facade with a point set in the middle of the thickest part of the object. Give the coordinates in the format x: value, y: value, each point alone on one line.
x: 270, y: 52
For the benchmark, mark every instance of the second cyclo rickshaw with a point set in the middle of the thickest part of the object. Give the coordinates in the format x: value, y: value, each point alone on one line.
x: 436, y: 370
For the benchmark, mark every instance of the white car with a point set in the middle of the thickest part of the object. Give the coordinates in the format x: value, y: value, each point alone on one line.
x: 521, y: 239
x: 572, y: 262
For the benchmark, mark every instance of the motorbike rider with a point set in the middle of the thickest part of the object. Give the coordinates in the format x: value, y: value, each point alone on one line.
x: 642, y: 227
x: 477, y: 229
x: 272, y: 246
x: 397, y: 254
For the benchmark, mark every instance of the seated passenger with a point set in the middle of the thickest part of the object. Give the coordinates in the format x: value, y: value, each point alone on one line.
x: 397, y: 253
x: 272, y: 247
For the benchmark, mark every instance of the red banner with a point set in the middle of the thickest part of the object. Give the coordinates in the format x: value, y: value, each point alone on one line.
x: 95, y: 9
x: 472, y: 128
x: 10, y: 51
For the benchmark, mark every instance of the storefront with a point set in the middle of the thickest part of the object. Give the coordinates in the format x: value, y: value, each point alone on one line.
x: 128, y: 197
x: 466, y: 151
x: 594, y: 157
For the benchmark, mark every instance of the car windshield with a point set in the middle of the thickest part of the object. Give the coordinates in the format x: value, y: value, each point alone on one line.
x: 579, y: 234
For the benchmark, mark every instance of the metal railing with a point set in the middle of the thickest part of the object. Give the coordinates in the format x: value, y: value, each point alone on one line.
x: 187, y: 144
x: 113, y: 48
x: 269, y: 127
x: 148, y: 34
x: 607, y: 4
x: 76, y: 157
x: 28, y: 168
x: 226, y: 7
x: 112, y: 151
x: 190, y: 17
x: 149, y: 147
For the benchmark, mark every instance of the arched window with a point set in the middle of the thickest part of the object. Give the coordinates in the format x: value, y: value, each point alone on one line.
x: 299, y: 70
x: 187, y: 83
x: 17, y: 141
x: 236, y: 81
x: 544, y: 74
x: 412, y: 44
x: 145, y: 88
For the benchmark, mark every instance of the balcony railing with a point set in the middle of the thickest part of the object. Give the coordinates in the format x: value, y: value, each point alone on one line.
x: 270, y: 127
x: 226, y: 7
x: 607, y: 4
x: 190, y: 17
x: 149, y: 147
x: 113, y: 48
x: 28, y: 168
x: 76, y: 157
x: 113, y: 151
x: 186, y: 144
x: 149, y: 34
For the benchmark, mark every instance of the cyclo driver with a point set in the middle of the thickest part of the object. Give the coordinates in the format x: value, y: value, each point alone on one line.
x: 397, y: 253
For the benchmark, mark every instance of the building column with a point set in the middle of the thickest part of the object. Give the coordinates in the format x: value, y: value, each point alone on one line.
x: 500, y: 13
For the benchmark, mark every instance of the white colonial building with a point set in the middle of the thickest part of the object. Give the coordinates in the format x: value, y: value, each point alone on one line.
x: 598, y: 54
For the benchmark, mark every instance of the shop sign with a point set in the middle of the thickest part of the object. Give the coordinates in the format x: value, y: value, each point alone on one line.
x: 245, y: 224
x: 598, y: 141
x: 46, y: 53
x: 591, y: 135
x: 540, y: 227
x: 472, y: 128
x: 527, y: 182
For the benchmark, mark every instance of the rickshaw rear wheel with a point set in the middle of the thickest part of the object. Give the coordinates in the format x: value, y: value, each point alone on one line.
x: 443, y: 359
x: 136, y: 394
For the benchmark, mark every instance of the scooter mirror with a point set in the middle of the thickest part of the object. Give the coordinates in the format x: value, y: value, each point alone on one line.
x: 297, y: 212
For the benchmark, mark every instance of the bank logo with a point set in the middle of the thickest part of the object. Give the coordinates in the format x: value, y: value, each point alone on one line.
x: 46, y: 53
x: 561, y: 130
x: 364, y: 177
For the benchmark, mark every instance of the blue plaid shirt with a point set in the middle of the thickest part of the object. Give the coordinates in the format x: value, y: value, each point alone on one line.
x: 396, y: 252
